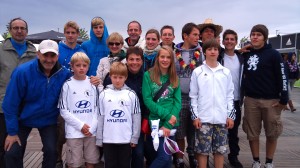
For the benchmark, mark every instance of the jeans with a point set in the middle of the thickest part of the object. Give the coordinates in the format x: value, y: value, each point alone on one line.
x: 162, y: 160
x: 233, y: 133
x: 143, y: 148
x: 14, y: 157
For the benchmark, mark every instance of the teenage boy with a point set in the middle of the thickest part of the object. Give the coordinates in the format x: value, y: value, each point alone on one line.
x: 266, y: 94
x: 232, y: 60
x: 78, y: 107
x: 211, y: 93
x: 188, y: 56
x: 120, y: 115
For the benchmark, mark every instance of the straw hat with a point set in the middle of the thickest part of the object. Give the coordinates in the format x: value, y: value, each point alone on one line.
x: 209, y: 23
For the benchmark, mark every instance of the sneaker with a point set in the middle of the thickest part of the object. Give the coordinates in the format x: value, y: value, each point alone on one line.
x: 235, y: 162
x: 269, y: 165
x: 256, y: 164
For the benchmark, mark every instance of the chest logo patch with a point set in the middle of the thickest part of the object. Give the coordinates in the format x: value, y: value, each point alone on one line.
x: 252, y: 62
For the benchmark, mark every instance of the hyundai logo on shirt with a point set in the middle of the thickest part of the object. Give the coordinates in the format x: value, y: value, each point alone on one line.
x: 117, y: 113
x: 83, y: 104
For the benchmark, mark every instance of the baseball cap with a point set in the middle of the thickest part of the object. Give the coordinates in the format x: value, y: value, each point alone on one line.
x: 171, y: 146
x: 48, y: 46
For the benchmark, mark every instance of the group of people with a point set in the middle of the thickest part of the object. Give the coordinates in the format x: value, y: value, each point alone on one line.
x: 109, y: 91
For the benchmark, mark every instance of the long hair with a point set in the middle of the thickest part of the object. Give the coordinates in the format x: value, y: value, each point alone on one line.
x: 155, y: 72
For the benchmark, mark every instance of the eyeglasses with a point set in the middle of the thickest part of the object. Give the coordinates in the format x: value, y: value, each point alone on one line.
x: 112, y: 44
x: 19, y: 28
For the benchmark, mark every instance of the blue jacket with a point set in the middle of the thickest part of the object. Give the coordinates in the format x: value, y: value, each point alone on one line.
x: 31, y: 98
x: 65, y: 53
x: 95, y: 49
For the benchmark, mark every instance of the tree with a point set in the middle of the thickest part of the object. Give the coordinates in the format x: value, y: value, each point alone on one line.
x: 244, y: 41
x: 83, y: 34
x: 6, y: 34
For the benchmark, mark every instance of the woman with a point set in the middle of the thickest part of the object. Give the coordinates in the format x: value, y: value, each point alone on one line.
x: 293, y: 74
x: 96, y: 48
x: 151, y: 48
x: 168, y: 105
x: 115, y: 43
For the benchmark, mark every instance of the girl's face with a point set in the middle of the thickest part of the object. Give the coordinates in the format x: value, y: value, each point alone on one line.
x: 164, y: 60
x: 151, y: 41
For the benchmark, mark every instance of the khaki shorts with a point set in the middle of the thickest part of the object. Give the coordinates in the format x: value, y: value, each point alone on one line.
x: 258, y: 111
x: 80, y: 150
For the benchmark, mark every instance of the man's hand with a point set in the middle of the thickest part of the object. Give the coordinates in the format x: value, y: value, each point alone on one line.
x: 172, y: 120
x: 229, y: 123
x: 95, y: 80
x: 197, y: 123
x: 86, y: 130
x: 281, y: 106
x: 10, y: 140
x: 245, y: 49
x: 132, y: 145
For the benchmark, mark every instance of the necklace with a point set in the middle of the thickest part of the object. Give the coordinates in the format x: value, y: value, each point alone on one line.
x: 193, y: 61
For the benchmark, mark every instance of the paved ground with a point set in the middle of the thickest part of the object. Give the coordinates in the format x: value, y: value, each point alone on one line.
x: 287, y: 153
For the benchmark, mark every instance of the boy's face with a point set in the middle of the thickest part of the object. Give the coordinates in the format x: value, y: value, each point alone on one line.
x: 71, y: 35
x: 98, y: 30
x: 257, y: 40
x: 229, y: 42
x: 212, y: 53
x: 80, y: 69
x: 117, y: 80
x: 192, y: 38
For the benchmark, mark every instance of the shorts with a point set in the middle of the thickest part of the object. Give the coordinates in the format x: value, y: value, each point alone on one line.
x: 80, y: 150
x: 184, y: 117
x: 258, y: 110
x: 211, y: 138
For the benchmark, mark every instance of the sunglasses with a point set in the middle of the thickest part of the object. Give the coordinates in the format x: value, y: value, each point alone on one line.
x: 116, y: 44
x: 171, y: 146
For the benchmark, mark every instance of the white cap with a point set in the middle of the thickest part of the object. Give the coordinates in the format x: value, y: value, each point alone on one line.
x: 48, y: 46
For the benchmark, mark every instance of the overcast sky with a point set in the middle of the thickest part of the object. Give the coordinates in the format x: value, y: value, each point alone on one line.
x: 239, y: 15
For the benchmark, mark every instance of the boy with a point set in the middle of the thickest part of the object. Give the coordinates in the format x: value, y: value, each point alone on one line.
x: 119, y: 123
x: 211, y: 93
x: 78, y: 107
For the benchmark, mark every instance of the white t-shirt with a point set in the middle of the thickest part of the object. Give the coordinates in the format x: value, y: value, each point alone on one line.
x: 233, y: 64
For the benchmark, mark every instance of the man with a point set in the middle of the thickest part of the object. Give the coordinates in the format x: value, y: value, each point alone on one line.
x: 66, y: 50
x: 232, y: 60
x: 209, y: 30
x: 13, y: 52
x: 31, y: 102
x: 265, y: 84
x: 134, y: 30
x: 167, y: 36
x: 188, y: 57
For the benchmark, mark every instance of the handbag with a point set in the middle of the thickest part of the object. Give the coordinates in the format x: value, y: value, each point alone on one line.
x: 145, y: 121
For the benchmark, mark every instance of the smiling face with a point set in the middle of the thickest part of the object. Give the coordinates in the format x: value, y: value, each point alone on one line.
x: 134, y: 31
x: 164, y: 60
x: 134, y: 63
x: 152, y: 41
x: 229, y: 42
x: 47, y: 60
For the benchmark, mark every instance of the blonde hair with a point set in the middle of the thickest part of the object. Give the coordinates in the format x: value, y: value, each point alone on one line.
x: 115, y: 37
x: 97, y: 21
x: 155, y: 70
x: 118, y: 68
x: 71, y: 24
x: 79, y: 56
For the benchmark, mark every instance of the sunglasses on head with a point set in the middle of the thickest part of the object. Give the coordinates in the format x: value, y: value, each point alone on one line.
x: 116, y: 44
